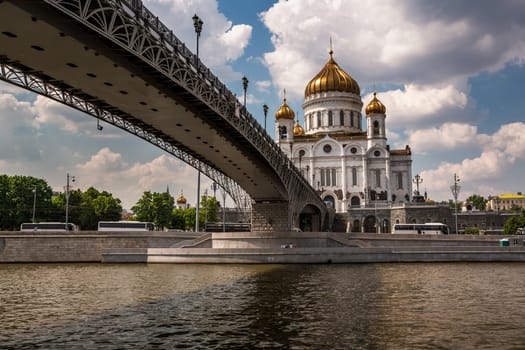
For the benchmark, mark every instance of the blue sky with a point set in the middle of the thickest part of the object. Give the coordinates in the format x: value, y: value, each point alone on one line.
x: 450, y: 74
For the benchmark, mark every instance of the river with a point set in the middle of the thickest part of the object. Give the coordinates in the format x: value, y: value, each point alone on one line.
x: 350, y: 306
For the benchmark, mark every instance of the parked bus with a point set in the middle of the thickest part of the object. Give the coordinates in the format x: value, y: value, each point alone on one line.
x: 431, y: 228
x: 48, y: 226
x: 125, y: 226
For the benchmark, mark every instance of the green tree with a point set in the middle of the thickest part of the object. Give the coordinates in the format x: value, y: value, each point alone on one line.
x: 478, y: 201
x: 163, y: 204
x: 513, y: 223
x: 155, y: 207
x: 98, y: 206
x: 189, y: 218
x: 21, y: 197
x: 177, y: 219
x: 210, y: 210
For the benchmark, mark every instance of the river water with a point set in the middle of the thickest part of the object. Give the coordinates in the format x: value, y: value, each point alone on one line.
x: 351, y: 306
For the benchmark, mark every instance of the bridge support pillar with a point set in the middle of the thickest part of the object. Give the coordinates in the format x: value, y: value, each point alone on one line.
x: 270, y: 217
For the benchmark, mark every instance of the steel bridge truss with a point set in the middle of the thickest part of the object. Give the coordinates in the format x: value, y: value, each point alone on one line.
x: 23, y: 78
x: 132, y: 27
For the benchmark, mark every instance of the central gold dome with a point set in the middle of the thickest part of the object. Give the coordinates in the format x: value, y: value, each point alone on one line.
x: 332, y: 78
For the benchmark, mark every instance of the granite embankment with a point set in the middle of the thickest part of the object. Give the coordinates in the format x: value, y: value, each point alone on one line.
x: 282, y: 247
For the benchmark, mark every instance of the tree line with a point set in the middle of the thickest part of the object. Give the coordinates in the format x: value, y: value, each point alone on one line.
x: 29, y: 199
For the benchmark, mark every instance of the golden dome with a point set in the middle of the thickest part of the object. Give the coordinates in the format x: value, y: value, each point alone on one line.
x: 181, y: 199
x: 332, y: 78
x: 375, y: 106
x: 284, y: 112
x: 298, y: 129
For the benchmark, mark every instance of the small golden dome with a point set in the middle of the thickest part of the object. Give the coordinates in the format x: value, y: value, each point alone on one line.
x: 375, y: 106
x: 298, y: 129
x: 181, y: 199
x: 332, y: 78
x: 284, y: 112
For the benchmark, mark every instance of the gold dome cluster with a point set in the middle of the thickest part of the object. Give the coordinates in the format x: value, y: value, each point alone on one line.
x: 284, y: 112
x: 181, y: 199
x: 332, y: 78
x: 298, y: 129
x: 375, y: 106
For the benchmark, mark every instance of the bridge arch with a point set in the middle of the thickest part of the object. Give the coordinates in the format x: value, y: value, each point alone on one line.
x: 125, y: 40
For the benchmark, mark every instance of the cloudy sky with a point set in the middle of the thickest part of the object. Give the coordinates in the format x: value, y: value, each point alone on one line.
x: 450, y: 74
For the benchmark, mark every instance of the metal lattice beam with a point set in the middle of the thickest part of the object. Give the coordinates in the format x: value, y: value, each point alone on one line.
x: 21, y: 77
x: 137, y: 32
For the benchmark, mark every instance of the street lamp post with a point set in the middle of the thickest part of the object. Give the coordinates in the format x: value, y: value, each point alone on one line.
x: 67, y: 196
x: 214, y: 187
x: 417, y: 180
x: 34, y: 204
x: 245, y: 87
x: 223, y: 209
x: 265, y: 110
x: 455, y: 192
x: 197, y: 24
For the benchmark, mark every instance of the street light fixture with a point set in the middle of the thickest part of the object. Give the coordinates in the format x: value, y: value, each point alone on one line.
x: 67, y: 197
x: 455, y: 192
x: 34, y: 204
x: 417, y: 180
x: 245, y: 87
x: 265, y: 110
x: 197, y: 24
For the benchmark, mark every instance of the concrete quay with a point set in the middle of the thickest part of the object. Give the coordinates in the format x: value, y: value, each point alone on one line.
x: 252, y: 248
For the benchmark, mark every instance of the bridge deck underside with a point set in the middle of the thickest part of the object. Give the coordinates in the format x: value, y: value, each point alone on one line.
x: 96, y: 69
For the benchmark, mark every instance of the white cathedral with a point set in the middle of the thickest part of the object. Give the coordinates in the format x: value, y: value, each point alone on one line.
x: 348, y: 166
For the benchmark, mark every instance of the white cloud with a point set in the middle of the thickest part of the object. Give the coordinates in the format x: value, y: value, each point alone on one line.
x: 417, y: 104
x: 385, y: 41
x: 446, y: 137
x: 221, y: 41
x: 499, y: 153
x: 108, y: 170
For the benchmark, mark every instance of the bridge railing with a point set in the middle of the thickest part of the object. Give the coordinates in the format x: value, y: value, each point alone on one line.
x: 231, y: 109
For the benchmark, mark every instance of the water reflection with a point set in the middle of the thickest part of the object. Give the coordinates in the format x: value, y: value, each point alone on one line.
x: 362, y: 306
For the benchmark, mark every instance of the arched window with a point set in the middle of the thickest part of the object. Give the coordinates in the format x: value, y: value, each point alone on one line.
x: 341, y: 118
x: 318, y: 119
x: 282, y: 132
x: 330, y: 118
x: 352, y: 119
x: 376, y: 128
x: 329, y: 201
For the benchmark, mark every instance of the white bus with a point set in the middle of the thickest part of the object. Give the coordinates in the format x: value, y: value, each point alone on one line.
x: 125, y: 226
x: 48, y: 226
x: 430, y: 228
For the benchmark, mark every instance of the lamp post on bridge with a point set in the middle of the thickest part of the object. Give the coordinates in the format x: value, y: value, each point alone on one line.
x: 245, y: 87
x: 265, y: 110
x: 197, y: 24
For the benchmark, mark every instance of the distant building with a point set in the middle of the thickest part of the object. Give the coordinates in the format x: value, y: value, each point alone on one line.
x: 506, y: 202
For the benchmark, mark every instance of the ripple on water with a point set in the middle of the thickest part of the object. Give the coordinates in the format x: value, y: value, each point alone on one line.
x: 364, y: 306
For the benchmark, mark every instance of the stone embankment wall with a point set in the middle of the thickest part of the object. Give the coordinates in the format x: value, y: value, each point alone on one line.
x: 84, y: 246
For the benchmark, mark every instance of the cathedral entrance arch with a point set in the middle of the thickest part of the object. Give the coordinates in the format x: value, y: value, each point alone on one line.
x: 369, y: 224
x: 310, y: 219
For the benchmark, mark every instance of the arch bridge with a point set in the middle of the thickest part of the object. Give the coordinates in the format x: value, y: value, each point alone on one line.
x: 114, y: 60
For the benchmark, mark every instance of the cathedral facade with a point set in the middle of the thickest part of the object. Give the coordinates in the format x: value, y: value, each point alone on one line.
x: 343, y: 155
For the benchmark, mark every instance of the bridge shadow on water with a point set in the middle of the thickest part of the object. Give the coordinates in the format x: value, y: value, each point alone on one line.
x: 241, y: 307
x: 346, y: 306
